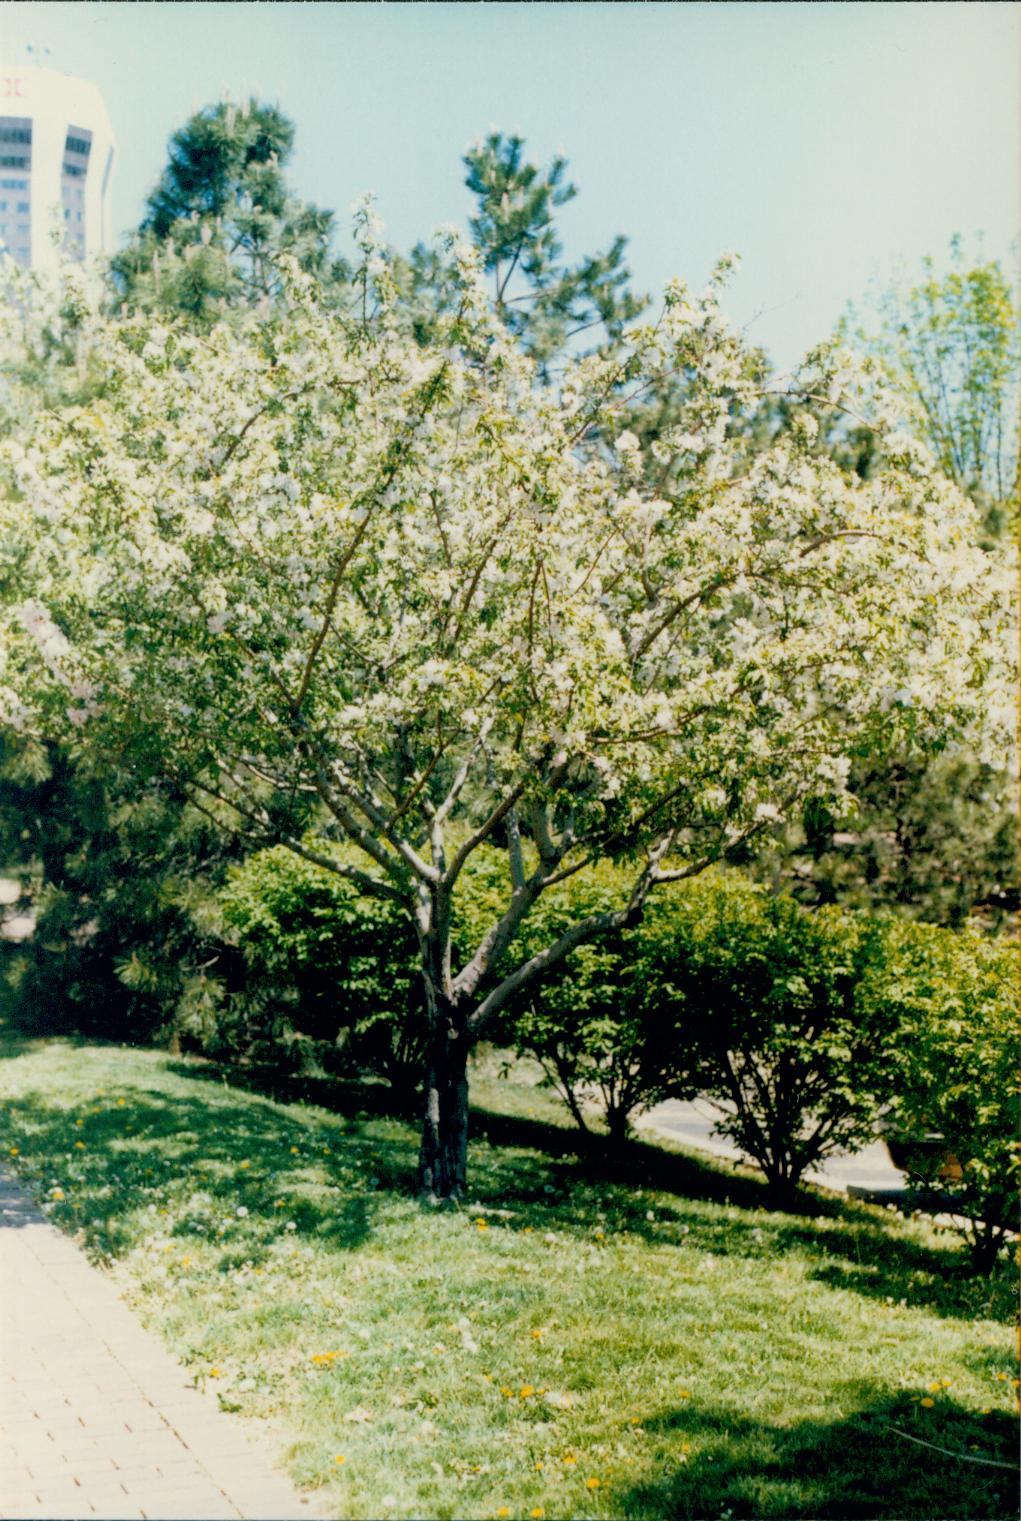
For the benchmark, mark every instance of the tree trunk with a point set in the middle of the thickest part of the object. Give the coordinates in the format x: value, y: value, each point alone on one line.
x: 443, y: 1157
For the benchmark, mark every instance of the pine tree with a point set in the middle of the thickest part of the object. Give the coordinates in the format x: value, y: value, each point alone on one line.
x: 545, y: 302
x: 220, y: 217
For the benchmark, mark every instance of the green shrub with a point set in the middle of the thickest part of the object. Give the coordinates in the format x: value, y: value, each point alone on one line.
x: 610, y: 1024
x: 326, y: 964
x: 952, y: 998
x: 769, y: 998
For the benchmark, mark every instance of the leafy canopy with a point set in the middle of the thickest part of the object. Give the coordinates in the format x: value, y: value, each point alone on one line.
x: 304, y: 555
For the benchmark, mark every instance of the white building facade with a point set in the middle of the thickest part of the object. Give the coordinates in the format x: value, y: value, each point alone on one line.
x: 56, y: 166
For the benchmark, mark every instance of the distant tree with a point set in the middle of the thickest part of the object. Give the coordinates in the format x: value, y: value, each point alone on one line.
x: 933, y: 838
x: 543, y: 301
x: 950, y: 345
x: 222, y: 215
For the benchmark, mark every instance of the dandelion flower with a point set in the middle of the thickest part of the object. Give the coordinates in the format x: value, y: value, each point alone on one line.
x: 14, y: 1151
x: 216, y: 1372
x: 927, y: 1403
x: 340, y: 1458
x: 503, y: 1511
x: 294, y: 1151
x: 684, y: 1394
x: 592, y: 1483
x: 79, y: 1145
x: 244, y: 1164
x: 525, y: 1391
x: 537, y: 1514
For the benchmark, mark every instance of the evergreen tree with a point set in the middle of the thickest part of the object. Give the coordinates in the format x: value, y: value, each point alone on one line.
x: 220, y: 217
x: 545, y: 302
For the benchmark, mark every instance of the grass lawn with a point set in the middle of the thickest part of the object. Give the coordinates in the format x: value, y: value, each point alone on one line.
x: 587, y: 1339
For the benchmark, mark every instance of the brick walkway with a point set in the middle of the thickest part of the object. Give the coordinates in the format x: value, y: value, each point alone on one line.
x: 96, y: 1418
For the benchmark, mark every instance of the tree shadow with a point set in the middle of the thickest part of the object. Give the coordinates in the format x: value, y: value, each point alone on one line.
x: 848, y: 1244
x: 328, y: 1169
x: 114, y: 1158
x: 858, y: 1466
x: 340, y: 1095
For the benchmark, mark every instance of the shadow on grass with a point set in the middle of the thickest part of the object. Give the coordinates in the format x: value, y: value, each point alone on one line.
x: 855, y: 1467
x: 115, y: 1159
x: 848, y: 1245
x: 325, y: 1176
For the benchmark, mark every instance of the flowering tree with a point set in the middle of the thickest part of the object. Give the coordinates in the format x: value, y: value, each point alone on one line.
x: 301, y: 556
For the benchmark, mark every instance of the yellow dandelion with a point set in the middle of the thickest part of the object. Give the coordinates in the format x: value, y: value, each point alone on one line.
x: 244, y: 1164
x: 569, y: 1461
x: 935, y: 1388
x: 56, y: 1193
x: 185, y: 1261
x: 684, y: 1394
x: 216, y: 1372
x: 508, y: 1394
x: 14, y: 1151
x: 79, y: 1145
x: 503, y: 1511
x: 121, y: 1103
x: 340, y: 1458
x: 927, y: 1403
x: 592, y: 1483
x: 481, y: 1225
x: 946, y: 1382
x: 294, y: 1151
x: 526, y: 1391
x: 539, y: 1467
x: 537, y: 1514
x: 599, y: 1235
x: 685, y: 1446
x: 538, y: 1335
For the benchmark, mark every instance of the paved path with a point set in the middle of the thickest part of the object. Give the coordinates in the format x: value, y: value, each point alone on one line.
x: 96, y: 1418
x: 869, y: 1170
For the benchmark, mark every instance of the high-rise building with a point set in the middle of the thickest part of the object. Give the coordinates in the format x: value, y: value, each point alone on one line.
x: 56, y: 162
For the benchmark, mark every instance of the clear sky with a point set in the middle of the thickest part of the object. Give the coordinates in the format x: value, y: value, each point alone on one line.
x: 824, y: 142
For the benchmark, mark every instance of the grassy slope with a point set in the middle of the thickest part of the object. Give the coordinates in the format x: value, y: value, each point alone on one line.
x: 699, y: 1357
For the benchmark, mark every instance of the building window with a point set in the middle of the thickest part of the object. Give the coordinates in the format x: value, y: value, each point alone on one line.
x: 77, y: 144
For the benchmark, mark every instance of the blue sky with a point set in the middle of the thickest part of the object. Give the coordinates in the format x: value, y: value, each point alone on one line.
x: 825, y: 142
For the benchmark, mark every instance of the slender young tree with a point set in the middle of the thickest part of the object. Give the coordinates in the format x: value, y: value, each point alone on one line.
x: 305, y: 555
